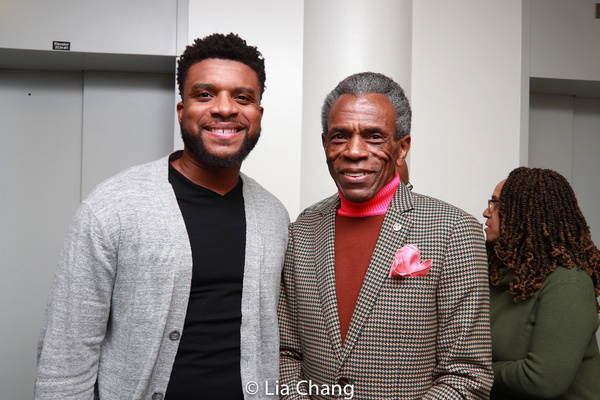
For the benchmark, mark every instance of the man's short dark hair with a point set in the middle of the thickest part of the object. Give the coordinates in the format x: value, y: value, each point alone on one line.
x: 224, y: 47
x: 367, y: 83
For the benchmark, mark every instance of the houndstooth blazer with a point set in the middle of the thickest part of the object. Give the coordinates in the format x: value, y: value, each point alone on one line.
x: 410, y: 338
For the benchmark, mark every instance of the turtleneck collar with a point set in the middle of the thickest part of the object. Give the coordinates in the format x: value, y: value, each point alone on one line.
x: 378, y: 205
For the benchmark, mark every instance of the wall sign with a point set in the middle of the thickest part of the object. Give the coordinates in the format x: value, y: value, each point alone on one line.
x: 56, y: 45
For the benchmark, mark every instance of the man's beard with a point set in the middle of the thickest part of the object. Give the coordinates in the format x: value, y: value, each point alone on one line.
x: 196, y: 146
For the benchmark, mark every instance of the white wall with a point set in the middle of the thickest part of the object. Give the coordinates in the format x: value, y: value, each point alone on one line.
x: 466, y: 86
x: 468, y: 81
x: 107, y: 26
x: 564, y: 39
x: 275, y: 27
x: 466, y: 96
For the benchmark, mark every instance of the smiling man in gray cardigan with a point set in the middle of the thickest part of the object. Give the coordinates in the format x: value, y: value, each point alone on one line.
x: 168, y: 281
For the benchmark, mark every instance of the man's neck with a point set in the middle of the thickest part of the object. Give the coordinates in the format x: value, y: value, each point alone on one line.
x: 378, y: 205
x: 219, y: 180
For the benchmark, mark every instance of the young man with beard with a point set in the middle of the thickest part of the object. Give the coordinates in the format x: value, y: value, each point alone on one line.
x: 168, y: 281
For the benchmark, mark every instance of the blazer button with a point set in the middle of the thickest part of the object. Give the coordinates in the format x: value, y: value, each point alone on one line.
x: 343, y: 382
x: 157, y: 396
x: 175, y: 335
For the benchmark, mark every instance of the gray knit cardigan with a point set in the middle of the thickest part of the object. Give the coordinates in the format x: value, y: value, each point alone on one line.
x: 119, y: 298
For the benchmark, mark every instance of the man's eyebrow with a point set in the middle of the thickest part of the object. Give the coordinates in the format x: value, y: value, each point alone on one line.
x: 198, y: 86
x: 337, y: 129
x: 368, y: 129
x: 244, y: 89
x: 373, y: 129
x: 238, y: 89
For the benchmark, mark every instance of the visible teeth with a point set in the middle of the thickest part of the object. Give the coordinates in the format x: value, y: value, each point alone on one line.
x: 355, y: 174
x: 225, y: 130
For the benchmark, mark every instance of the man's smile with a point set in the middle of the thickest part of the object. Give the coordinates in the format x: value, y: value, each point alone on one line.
x: 224, y: 131
x: 355, y: 174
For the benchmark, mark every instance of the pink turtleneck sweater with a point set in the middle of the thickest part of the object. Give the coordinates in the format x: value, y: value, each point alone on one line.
x: 357, y: 227
x: 376, y: 206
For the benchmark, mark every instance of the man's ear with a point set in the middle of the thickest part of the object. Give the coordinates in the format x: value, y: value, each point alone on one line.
x: 400, y: 162
x: 324, y: 140
x: 404, y: 148
x: 180, y: 111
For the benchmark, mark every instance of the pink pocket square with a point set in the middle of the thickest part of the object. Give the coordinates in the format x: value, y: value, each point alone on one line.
x: 408, y: 263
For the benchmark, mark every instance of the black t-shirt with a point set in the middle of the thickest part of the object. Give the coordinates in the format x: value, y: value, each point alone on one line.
x: 207, y: 365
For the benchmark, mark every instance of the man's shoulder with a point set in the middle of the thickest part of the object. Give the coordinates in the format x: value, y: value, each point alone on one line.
x: 261, y: 198
x: 132, y: 182
x: 319, y: 207
x: 424, y: 204
x: 255, y: 189
x: 432, y: 212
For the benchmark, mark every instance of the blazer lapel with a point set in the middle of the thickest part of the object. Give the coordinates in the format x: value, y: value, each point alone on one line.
x: 396, y: 225
x: 325, y: 269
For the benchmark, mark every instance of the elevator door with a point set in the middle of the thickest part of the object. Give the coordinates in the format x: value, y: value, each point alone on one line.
x: 564, y: 135
x: 61, y: 133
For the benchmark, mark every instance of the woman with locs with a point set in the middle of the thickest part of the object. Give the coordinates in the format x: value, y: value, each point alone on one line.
x: 544, y: 281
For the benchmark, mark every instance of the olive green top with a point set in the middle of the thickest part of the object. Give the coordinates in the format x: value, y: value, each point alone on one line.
x: 545, y: 347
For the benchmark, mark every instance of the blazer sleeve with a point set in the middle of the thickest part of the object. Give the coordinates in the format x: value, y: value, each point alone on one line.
x: 290, y: 362
x: 463, y: 345
x: 77, y: 312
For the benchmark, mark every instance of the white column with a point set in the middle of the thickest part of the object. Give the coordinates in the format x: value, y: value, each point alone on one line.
x: 343, y: 37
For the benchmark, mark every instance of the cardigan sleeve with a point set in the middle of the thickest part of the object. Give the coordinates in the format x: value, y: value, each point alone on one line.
x: 77, y: 312
x: 566, y: 319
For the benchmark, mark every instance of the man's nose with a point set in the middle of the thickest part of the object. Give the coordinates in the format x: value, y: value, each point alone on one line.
x: 356, y: 148
x: 224, y: 106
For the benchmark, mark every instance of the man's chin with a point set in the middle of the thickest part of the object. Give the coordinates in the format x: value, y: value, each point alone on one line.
x: 221, y: 160
x: 224, y: 157
x: 357, y: 195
